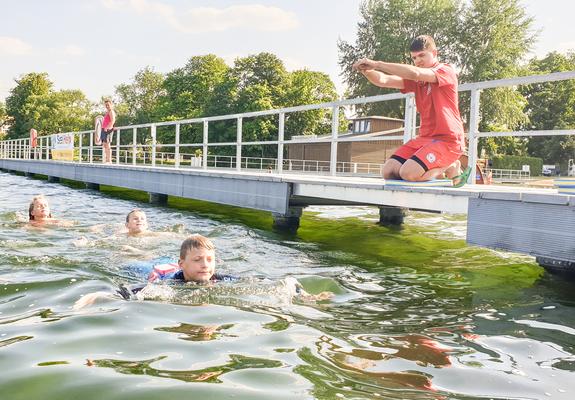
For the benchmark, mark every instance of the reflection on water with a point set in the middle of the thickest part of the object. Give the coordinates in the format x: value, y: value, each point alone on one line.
x: 416, y: 314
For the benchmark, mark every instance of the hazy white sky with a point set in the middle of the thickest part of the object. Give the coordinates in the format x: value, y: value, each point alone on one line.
x: 94, y: 45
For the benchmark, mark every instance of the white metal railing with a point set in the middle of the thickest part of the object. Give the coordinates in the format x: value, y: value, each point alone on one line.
x: 508, y: 175
x: 134, y: 152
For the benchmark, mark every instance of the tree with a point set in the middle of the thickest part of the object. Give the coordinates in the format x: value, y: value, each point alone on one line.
x: 17, y: 103
x: 190, y: 90
x: 551, y: 106
x: 308, y: 87
x: 4, y: 118
x: 61, y: 111
x: 256, y: 82
x: 140, y: 101
x: 484, y: 39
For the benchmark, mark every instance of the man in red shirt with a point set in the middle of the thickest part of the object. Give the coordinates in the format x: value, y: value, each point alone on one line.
x: 441, y: 141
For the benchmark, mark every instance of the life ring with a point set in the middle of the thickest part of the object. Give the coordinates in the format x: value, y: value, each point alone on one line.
x: 33, y: 138
x: 152, y: 269
x: 97, y: 130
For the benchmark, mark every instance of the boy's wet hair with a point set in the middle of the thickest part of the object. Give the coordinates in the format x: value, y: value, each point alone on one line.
x: 31, y: 206
x: 195, y: 242
x: 135, y: 210
x: 422, y: 43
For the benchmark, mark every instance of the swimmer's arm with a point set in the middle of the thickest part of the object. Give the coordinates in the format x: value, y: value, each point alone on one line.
x: 298, y: 291
x: 90, y: 298
x: 123, y: 292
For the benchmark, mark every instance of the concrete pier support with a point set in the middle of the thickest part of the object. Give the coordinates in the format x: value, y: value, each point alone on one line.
x: 391, y: 216
x: 29, y: 174
x: 557, y: 266
x: 93, y: 186
x: 53, y: 179
x: 158, y: 198
x: 287, y: 222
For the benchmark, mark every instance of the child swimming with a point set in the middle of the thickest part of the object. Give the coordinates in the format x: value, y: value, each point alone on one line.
x: 196, y: 263
x: 39, y: 213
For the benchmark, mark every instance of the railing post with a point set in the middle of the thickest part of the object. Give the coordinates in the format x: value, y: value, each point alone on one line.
x: 48, y: 147
x: 334, y: 133
x: 177, y: 149
x: 473, y: 131
x: 205, y: 147
x: 409, y: 118
x: 134, y: 145
x: 80, y: 140
x: 118, y: 148
x: 239, y: 145
x: 91, y: 150
x: 281, y: 136
x: 153, y: 131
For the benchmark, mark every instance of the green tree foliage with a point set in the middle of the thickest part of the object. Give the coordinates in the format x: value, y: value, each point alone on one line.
x: 190, y: 92
x: 205, y: 86
x: 552, y: 106
x: 4, y: 118
x: 33, y: 103
x: 140, y: 100
x: 18, y: 102
x: 308, y: 87
x: 256, y: 82
x: 61, y: 111
x: 484, y: 39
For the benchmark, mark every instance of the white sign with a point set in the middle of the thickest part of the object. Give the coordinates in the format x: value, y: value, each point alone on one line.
x: 63, y: 141
x: 63, y: 146
x: 526, y: 168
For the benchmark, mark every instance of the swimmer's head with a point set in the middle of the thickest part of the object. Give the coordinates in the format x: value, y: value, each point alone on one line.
x: 197, y: 258
x: 39, y: 208
x: 136, y: 222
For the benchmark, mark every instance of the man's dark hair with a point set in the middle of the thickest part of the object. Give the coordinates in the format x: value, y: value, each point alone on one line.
x: 422, y: 43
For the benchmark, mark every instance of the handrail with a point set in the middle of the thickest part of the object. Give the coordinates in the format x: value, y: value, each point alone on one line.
x: 20, y: 148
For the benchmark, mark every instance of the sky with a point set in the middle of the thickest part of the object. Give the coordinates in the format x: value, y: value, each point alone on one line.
x: 95, y: 45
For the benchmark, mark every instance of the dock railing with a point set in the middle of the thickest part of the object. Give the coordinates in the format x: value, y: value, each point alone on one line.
x: 128, y: 150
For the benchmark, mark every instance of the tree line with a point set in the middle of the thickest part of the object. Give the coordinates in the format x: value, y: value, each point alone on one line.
x: 484, y: 39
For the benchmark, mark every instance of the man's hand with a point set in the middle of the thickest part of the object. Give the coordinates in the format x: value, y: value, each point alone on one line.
x: 364, y: 64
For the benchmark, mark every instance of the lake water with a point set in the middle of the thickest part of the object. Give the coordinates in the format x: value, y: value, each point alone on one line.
x: 417, y: 314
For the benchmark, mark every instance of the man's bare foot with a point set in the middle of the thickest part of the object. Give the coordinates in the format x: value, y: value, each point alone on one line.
x: 453, y: 170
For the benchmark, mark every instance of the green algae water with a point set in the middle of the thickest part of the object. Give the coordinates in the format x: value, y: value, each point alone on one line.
x: 416, y: 313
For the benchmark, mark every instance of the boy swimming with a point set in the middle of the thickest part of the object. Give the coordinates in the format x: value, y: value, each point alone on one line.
x: 196, y: 263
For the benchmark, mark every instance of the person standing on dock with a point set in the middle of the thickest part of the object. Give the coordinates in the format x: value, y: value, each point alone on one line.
x: 441, y: 140
x: 107, y: 130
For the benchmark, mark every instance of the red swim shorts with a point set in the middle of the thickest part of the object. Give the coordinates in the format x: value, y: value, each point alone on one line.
x: 428, y: 152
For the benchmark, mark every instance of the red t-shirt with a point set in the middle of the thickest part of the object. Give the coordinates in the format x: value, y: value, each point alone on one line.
x: 438, y: 106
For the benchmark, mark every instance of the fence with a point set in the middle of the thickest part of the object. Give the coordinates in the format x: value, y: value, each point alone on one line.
x: 145, y: 150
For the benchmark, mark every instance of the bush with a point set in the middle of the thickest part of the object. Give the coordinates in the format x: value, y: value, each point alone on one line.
x: 517, y: 162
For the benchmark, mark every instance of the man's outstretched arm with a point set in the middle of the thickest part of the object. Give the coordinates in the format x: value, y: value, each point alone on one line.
x: 403, y: 71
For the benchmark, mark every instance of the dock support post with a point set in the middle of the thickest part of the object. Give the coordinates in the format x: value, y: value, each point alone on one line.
x: 158, y: 198
x: 29, y: 174
x: 288, y: 222
x: 391, y: 216
x: 556, y: 265
x: 93, y: 186
x: 53, y: 179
